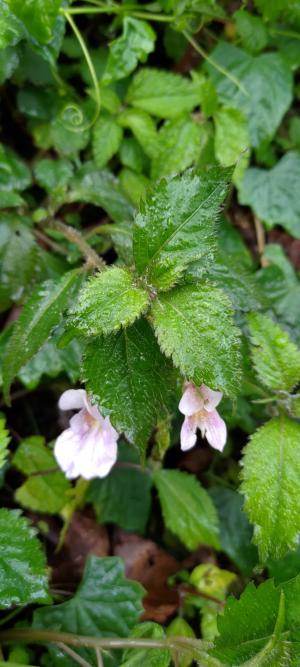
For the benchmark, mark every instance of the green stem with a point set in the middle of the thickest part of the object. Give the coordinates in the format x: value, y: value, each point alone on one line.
x: 72, y: 654
x: 214, y: 63
x: 115, y: 9
x: 46, y: 636
x: 90, y: 65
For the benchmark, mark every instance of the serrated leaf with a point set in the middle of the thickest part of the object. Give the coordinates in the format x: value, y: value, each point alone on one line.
x: 264, y: 92
x: 235, y: 530
x: 275, y: 357
x: 134, y: 185
x: 41, y: 493
x: 187, y: 508
x: 129, y: 379
x: 273, y: 193
x: 148, y: 658
x: 108, y: 301
x: 134, y: 45
x: 106, y: 604
x: 39, y: 316
x: 143, y: 128
x: 23, y: 578
x: 14, y: 173
x: 177, y: 225
x: 162, y: 93
x: 179, y: 146
x: 248, y: 624
x: 52, y: 174
x: 271, y: 486
x: 125, y: 482
x: 4, y: 442
x: 38, y: 16
x: 194, y: 326
x: 106, y: 140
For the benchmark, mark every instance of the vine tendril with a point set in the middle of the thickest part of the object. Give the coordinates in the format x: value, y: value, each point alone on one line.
x: 72, y: 116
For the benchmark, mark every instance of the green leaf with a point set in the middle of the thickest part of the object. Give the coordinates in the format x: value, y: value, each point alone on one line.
x: 14, y: 173
x: 11, y: 30
x: 273, y: 193
x: 4, y: 442
x: 187, y: 509
x: 232, y: 139
x: 37, y: 320
x: 41, y: 493
x: 180, y: 628
x: 143, y: 128
x: 9, y: 60
x: 52, y: 174
x: 210, y: 580
x: 265, y: 90
x: 106, y: 604
x: 288, y: 9
x: 148, y: 658
x: 132, y: 155
x: 271, y: 486
x: 235, y: 530
x: 252, y: 31
x: 50, y: 361
x: 107, y: 137
x: 162, y: 93
x: 38, y: 16
x: 250, y: 625
x: 123, y: 497
x: 179, y: 145
x: 101, y: 189
x: 18, y: 257
x: 275, y: 357
x: 134, y: 185
x: 129, y: 379
x: 109, y: 301
x: 177, y: 225
x: 134, y: 45
x: 194, y: 326
x: 23, y: 578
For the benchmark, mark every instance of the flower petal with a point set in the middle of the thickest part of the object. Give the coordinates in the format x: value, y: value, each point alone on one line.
x: 66, y: 451
x: 99, y: 453
x: 210, y: 398
x: 191, y: 400
x: 215, y: 430
x: 72, y: 399
x: 188, y: 434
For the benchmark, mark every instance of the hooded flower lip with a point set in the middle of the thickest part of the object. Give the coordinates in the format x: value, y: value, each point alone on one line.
x: 198, y: 404
x: 88, y: 448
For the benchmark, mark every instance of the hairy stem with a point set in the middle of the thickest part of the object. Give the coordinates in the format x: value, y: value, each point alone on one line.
x: 71, y: 234
x: 46, y: 636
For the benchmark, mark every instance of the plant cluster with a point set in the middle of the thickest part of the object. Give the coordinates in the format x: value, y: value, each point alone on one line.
x: 149, y: 231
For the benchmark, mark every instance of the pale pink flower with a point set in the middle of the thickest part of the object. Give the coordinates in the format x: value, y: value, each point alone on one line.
x: 88, y: 448
x: 198, y: 404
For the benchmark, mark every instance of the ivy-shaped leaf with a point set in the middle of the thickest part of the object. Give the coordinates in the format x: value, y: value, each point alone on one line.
x: 177, y: 225
x: 187, y: 509
x: 134, y: 45
x: 129, y: 379
x: 106, y: 604
x: 194, y: 325
x: 37, y: 320
x: 23, y: 578
x: 276, y: 358
x: 271, y: 486
x: 109, y: 301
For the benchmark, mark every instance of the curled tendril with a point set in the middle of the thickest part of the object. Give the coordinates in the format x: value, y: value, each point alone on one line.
x: 72, y: 116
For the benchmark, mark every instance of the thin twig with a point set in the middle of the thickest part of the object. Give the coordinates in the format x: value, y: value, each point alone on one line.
x: 261, y: 241
x: 52, y: 244
x: 99, y: 658
x: 74, y: 236
x: 69, y: 651
x: 214, y: 63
